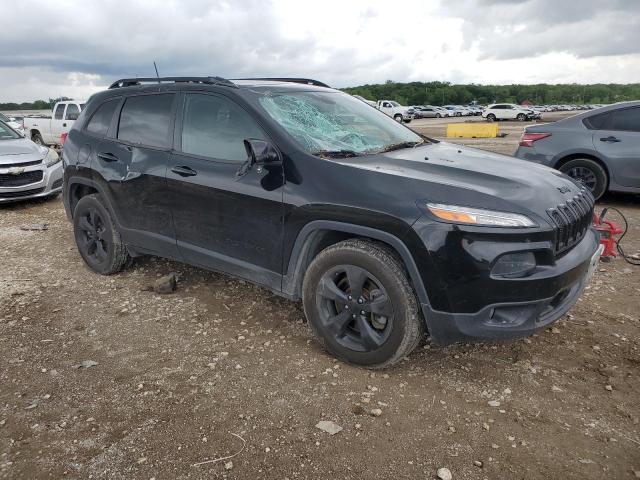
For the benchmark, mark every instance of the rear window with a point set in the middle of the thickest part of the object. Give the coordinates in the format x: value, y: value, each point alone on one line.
x: 596, y: 122
x: 101, y: 119
x: 146, y: 120
x: 627, y: 120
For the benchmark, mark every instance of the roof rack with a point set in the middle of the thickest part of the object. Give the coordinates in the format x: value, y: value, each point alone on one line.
x: 305, y: 81
x: 129, y: 82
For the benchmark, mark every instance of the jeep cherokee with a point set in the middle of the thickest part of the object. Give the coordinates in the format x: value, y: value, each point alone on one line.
x: 384, y: 234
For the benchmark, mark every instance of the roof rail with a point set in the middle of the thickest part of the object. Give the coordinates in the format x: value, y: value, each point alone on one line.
x: 129, y: 82
x: 306, y: 81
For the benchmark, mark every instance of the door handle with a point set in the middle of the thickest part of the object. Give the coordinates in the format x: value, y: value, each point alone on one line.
x: 184, y: 171
x: 610, y: 139
x: 107, y: 157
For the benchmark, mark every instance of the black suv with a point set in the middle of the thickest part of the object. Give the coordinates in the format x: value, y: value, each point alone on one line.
x: 384, y: 234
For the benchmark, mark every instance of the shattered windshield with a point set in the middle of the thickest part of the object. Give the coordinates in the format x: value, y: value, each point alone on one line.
x: 336, y: 124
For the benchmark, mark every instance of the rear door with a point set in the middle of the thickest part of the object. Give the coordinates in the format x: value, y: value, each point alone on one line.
x: 224, y: 221
x: 618, y: 139
x: 133, y: 166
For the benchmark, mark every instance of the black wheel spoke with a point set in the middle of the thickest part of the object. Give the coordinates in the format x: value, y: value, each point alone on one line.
x: 330, y: 290
x: 84, y: 224
x: 370, y: 337
x: 356, y: 277
x: 379, y: 305
x: 338, y: 323
x: 91, y: 246
x: 101, y: 252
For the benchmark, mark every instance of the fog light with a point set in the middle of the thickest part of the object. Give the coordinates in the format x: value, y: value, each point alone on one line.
x: 514, y: 265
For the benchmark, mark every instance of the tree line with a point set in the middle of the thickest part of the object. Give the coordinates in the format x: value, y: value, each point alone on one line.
x: 37, y: 105
x: 445, y: 93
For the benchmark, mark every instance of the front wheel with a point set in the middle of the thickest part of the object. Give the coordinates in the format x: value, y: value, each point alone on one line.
x: 360, y: 304
x: 37, y: 139
x: 97, y: 238
x: 398, y: 118
x: 491, y: 117
x: 438, y: 115
x: 589, y: 173
x: 521, y: 117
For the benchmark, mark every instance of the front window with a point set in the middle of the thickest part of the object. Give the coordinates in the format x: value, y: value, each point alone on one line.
x: 333, y: 123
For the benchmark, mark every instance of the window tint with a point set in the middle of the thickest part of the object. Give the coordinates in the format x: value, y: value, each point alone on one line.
x: 72, y: 112
x: 101, y: 119
x: 59, y: 111
x: 596, y: 122
x: 626, y: 120
x: 146, y: 120
x: 216, y: 127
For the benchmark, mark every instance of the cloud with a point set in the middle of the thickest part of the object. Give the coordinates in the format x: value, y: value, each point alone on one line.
x: 504, y: 30
x: 74, y: 47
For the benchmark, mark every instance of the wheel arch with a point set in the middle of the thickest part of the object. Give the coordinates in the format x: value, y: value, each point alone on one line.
x: 78, y: 187
x: 320, y: 234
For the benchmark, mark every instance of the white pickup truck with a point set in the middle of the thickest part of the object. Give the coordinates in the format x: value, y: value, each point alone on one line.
x: 46, y: 130
x: 395, y: 110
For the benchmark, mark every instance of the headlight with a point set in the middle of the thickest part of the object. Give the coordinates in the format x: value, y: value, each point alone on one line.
x: 478, y: 216
x: 51, y: 157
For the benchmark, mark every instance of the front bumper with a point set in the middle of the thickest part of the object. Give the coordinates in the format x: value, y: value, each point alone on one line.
x: 51, y: 183
x: 468, y: 303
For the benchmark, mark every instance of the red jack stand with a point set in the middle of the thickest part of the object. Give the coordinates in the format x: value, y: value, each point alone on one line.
x: 608, y: 230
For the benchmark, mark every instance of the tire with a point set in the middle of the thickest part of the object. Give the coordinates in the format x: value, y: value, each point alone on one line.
x: 37, y: 139
x: 97, y: 238
x: 407, y: 121
x: 398, y: 118
x: 326, y: 293
x: 438, y: 115
x: 589, y: 173
x: 491, y: 117
x: 458, y: 114
x: 521, y: 117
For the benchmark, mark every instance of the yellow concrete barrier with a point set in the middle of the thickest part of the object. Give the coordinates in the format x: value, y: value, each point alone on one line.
x: 472, y: 130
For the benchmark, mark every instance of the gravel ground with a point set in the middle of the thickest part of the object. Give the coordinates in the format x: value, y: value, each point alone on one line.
x: 102, y: 378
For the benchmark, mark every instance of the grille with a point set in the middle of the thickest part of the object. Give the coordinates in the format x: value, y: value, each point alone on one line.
x: 572, y: 220
x: 20, y: 164
x: 7, y: 180
x: 23, y: 193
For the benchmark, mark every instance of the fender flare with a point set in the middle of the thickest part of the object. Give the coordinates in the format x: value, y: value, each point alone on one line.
x: 578, y: 151
x: 292, y: 280
x: 77, y: 180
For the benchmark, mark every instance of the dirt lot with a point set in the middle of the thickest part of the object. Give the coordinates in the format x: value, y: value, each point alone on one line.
x: 178, y: 374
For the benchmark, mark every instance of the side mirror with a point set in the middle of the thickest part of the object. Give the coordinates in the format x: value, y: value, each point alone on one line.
x: 261, y: 153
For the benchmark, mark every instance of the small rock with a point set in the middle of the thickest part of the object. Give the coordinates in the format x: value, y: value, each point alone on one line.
x: 86, y: 364
x: 166, y: 284
x: 142, y: 460
x: 485, y: 426
x: 477, y: 463
x: 555, y: 388
x: 228, y: 465
x: 444, y: 473
x: 328, y: 426
x: 608, y: 388
x: 493, y: 403
x: 35, y: 227
x: 376, y: 412
x: 636, y: 473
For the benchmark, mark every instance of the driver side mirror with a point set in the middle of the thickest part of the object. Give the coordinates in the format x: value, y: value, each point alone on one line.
x: 261, y: 153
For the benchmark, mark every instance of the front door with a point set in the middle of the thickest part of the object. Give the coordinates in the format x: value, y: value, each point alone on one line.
x: 224, y: 221
x: 619, y: 142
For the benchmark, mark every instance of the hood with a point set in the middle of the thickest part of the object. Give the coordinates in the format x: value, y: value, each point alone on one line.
x: 20, y: 150
x: 447, y: 173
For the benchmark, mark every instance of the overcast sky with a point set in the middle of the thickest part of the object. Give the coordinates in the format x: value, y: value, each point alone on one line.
x: 74, y: 48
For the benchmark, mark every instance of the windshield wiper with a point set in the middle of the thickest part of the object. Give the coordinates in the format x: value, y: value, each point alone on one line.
x: 401, y: 145
x: 336, y: 153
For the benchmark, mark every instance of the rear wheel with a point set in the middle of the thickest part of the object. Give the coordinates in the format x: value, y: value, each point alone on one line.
x: 97, y: 238
x: 589, y: 173
x: 360, y: 304
x: 37, y: 138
